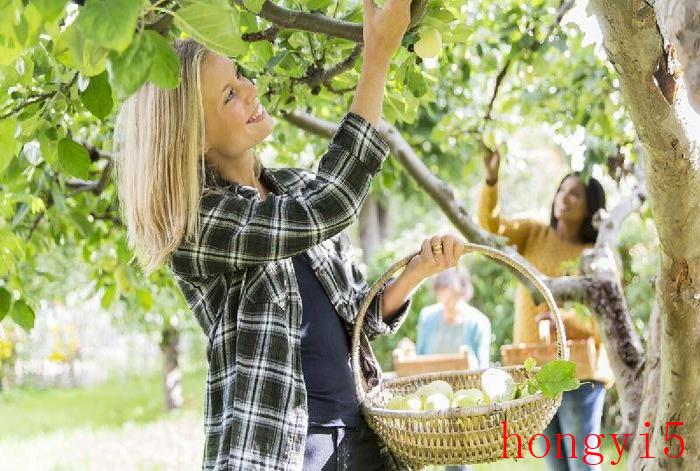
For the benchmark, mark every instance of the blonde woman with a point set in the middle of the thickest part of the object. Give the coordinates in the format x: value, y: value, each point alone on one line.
x: 261, y: 259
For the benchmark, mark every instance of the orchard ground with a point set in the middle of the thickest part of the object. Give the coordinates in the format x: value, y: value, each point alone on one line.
x: 123, y: 425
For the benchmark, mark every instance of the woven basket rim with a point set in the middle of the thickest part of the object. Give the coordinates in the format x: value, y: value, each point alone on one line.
x: 453, y: 412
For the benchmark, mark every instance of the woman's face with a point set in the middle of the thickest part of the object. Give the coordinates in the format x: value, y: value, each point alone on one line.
x: 235, y: 120
x: 570, y: 201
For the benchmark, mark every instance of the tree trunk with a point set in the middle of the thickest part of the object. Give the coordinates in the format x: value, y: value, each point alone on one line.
x: 370, y: 229
x: 680, y: 23
x: 634, y: 44
x: 651, y: 390
x: 172, y: 377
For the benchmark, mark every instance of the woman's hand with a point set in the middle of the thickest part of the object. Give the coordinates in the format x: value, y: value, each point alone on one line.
x: 492, y: 163
x: 383, y: 28
x: 438, y: 253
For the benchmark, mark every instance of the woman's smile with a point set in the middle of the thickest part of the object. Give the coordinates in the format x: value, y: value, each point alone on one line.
x: 257, y: 115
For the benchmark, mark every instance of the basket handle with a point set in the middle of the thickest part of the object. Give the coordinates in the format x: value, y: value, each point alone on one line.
x: 562, y: 351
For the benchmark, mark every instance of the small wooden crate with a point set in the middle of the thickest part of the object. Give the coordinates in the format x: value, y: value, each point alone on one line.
x: 582, y: 352
x: 407, y: 363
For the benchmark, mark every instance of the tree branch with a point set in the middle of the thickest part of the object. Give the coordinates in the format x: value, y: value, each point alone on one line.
x: 312, y: 22
x: 38, y: 98
x: 268, y: 34
x: 322, y: 24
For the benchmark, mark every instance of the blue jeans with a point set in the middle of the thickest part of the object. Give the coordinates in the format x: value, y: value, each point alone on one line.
x: 579, y: 415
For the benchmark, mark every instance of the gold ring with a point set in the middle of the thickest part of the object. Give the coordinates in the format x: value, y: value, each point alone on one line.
x: 437, y: 249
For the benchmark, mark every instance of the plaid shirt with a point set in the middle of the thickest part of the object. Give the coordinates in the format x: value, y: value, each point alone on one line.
x: 239, y: 282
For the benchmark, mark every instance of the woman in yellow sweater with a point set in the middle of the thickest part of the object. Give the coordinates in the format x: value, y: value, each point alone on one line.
x: 554, y: 249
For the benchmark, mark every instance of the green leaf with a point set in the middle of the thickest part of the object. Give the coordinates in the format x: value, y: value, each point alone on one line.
x: 23, y: 315
x: 144, y: 299
x: 75, y: 50
x: 214, y: 23
x: 108, y: 296
x: 165, y: 70
x: 530, y: 364
x: 556, y: 377
x: 128, y: 71
x: 50, y: 10
x: 5, y: 302
x: 49, y: 149
x: 8, y: 144
x: 253, y: 5
x: 110, y: 23
x: 320, y: 5
x: 74, y: 158
x: 10, y: 44
x: 97, y: 97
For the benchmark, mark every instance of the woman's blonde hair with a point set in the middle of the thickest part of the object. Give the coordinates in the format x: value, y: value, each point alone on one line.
x: 160, y: 166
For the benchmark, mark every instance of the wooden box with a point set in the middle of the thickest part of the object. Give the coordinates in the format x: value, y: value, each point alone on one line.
x: 582, y: 352
x: 407, y: 363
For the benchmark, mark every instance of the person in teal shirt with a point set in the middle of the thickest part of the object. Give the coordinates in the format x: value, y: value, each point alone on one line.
x: 452, y: 322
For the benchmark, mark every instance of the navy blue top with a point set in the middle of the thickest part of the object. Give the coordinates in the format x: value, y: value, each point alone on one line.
x: 325, y: 354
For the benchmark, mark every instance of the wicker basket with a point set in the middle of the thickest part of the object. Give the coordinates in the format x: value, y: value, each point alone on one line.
x: 457, y: 435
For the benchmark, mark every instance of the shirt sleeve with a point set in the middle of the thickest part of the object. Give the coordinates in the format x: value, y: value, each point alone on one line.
x: 517, y: 230
x: 374, y: 323
x: 236, y: 232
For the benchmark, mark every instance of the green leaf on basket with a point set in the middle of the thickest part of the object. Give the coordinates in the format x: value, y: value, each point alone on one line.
x: 530, y: 364
x: 556, y: 377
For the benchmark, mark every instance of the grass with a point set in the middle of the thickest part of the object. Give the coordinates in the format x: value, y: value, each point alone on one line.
x: 137, y: 399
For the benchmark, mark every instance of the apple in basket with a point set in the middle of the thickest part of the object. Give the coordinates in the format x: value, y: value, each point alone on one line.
x: 469, y: 398
x: 498, y: 385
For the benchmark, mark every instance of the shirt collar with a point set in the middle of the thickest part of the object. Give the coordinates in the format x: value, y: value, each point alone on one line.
x: 214, y: 180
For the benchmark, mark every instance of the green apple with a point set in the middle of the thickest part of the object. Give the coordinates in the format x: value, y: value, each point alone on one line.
x: 397, y: 402
x: 425, y: 390
x: 414, y: 402
x: 442, y: 387
x: 498, y: 385
x: 437, y: 401
x: 468, y: 398
x: 429, y: 44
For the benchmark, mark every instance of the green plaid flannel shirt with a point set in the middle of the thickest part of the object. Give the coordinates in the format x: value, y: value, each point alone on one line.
x: 239, y: 282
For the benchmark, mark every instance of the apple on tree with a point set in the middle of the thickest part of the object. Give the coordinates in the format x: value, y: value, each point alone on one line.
x: 429, y: 44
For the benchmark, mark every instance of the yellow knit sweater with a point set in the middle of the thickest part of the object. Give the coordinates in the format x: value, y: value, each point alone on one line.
x: 551, y: 255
